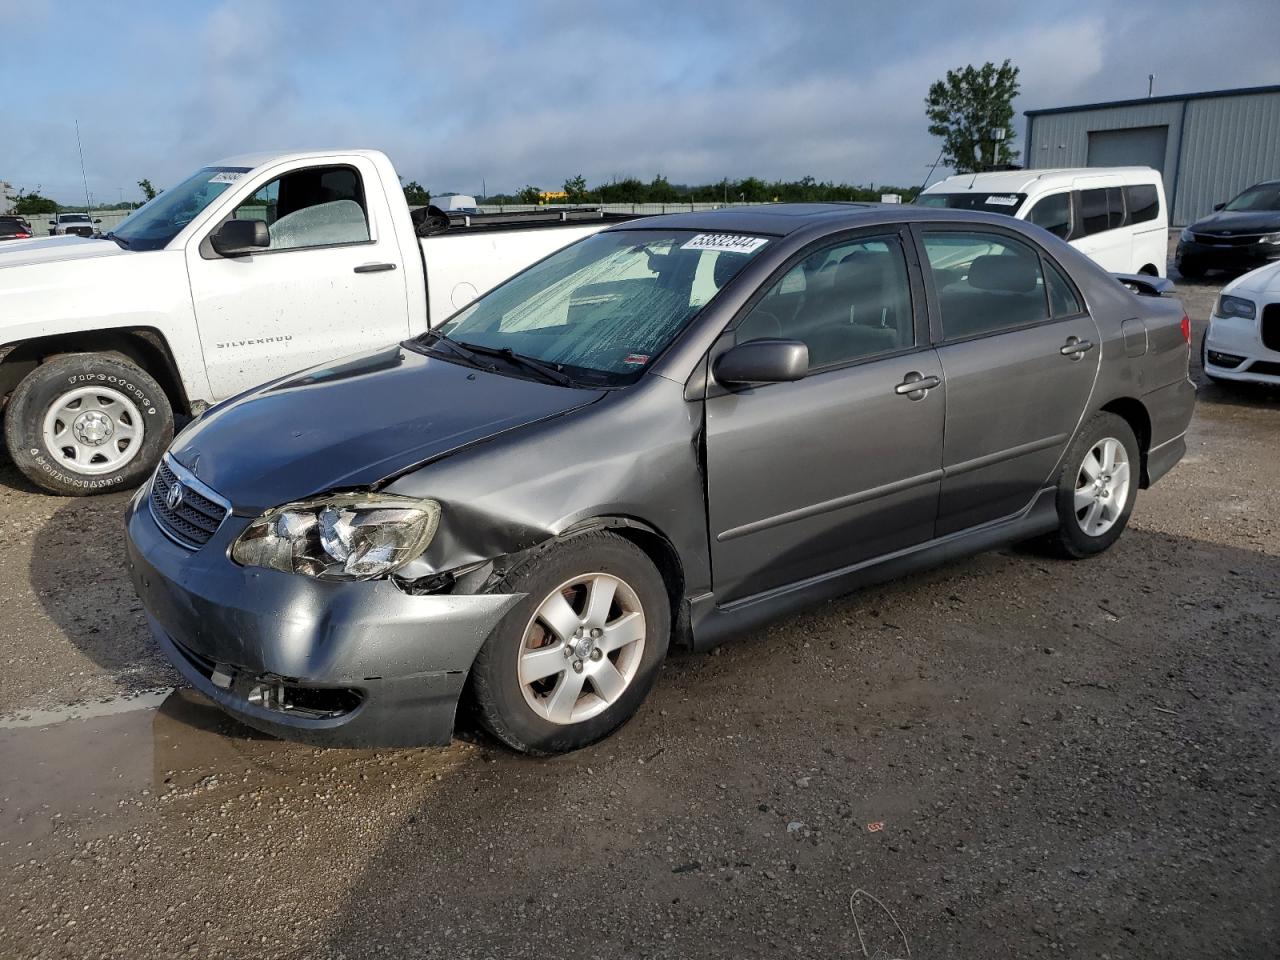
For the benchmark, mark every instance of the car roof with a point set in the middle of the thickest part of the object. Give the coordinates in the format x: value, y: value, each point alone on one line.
x: 1020, y: 181
x: 783, y: 219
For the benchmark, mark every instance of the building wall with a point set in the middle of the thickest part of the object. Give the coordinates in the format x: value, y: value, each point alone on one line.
x: 1216, y: 146
x: 5, y: 204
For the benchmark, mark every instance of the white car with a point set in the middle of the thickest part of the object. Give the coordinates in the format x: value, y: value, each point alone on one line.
x: 1116, y: 215
x: 1242, y: 342
x: 248, y: 270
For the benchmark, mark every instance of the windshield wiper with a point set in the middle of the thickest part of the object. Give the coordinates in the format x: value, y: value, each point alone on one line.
x: 429, y: 342
x: 547, y: 371
x: 124, y: 244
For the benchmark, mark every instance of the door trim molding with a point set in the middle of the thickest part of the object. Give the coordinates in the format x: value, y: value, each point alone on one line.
x: 827, y: 506
x: 1022, y: 449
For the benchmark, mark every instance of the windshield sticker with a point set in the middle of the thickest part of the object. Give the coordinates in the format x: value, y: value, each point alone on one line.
x: 998, y: 201
x: 725, y: 242
x: 636, y: 359
x: 226, y: 176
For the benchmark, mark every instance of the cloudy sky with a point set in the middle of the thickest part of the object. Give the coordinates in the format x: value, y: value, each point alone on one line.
x: 534, y: 92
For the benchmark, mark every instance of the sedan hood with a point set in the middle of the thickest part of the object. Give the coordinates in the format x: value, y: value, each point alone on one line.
x: 356, y: 422
x: 1244, y: 221
x: 20, y: 253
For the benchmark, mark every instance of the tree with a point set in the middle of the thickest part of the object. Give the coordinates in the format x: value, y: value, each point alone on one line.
x: 966, y: 108
x: 32, y: 203
x: 530, y: 195
x: 415, y: 194
x: 576, y: 189
x: 148, y: 191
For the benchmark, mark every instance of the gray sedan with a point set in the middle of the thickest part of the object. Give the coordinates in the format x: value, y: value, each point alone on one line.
x: 669, y: 432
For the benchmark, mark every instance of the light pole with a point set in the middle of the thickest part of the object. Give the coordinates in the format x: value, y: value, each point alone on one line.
x: 997, y: 138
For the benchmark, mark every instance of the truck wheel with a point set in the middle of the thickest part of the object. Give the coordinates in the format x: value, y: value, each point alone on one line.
x: 574, y: 659
x: 1097, y: 487
x: 87, y: 423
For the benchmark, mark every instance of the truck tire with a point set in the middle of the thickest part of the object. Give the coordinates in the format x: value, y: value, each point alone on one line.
x: 87, y: 423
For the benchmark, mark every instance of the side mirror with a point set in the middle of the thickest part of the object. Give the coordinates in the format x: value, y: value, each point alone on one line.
x: 235, y: 238
x: 53, y: 223
x: 98, y: 220
x: 1218, y: 206
x: 763, y: 361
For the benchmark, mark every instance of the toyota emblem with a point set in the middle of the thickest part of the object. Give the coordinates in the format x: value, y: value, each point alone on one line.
x: 173, y: 499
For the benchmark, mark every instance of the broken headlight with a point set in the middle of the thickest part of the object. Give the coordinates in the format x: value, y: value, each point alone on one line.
x: 346, y: 536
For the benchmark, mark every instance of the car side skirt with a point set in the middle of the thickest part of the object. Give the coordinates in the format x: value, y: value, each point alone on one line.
x: 712, y: 624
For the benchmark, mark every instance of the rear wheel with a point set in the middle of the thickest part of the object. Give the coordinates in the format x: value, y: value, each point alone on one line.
x: 1097, y: 487
x: 575, y: 658
x: 87, y: 423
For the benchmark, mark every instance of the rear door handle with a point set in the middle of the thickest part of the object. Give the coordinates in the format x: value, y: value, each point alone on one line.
x: 374, y: 267
x: 1075, y: 348
x: 914, y: 386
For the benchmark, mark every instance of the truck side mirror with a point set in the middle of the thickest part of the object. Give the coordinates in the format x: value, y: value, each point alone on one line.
x: 98, y: 220
x: 235, y: 238
x: 763, y: 361
x: 1218, y: 206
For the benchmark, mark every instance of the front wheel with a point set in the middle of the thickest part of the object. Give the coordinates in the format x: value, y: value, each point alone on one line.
x: 87, y: 423
x: 1097, y: 487
x: 575, y: 658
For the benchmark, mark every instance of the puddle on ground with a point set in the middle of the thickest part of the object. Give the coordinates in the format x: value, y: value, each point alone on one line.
x: 86, y: 710
x: 117, y: 756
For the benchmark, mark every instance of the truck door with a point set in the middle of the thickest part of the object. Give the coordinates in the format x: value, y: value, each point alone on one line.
x: 331, y: 283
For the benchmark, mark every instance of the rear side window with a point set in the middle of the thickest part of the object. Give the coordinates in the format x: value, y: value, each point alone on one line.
x: 986, y: 283
x: 1062, y: 299
x: 1101, y: 209
x: 1053, y: 213
x: 1143, y: 202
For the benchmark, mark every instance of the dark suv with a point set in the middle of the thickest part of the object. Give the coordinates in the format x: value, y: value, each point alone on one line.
x: 14, y: 228
x: 668, y: 432
x: 1241, y: 234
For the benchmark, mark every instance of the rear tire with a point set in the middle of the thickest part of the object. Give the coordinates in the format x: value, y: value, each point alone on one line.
x: 1097, y: 487
x: 87, y: 423
x: 560, y: 672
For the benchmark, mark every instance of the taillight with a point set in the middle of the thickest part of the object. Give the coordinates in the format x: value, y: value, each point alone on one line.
x: 22, y: 236
x: 1186, y: 328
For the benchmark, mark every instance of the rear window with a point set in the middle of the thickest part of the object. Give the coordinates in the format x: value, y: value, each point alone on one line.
x: 988, y: 202
x: 1143, y: 202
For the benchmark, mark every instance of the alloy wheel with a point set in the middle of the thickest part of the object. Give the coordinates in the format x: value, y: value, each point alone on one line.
x: 581, y: 648
x: 1102, y: 487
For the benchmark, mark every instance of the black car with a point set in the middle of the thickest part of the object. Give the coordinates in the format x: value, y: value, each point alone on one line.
x: 1240, y: 235
x: 14, y: 228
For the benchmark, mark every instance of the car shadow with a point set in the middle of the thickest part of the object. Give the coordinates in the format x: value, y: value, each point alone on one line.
x: 967, y: 742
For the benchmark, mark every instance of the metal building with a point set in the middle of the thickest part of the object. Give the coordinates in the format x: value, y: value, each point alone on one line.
x: 1208, y: 146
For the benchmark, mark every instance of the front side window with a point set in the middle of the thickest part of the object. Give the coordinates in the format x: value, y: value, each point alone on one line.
x: 158, y: 221
x: 846, y: 302
x: 603, y: 308
x: 317, y: 207
x: 1053, y: 213
x: 985, y: 282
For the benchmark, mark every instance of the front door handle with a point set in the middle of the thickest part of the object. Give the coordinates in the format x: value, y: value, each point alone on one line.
x: 374, y: 267
x: 914, y: 386
x: 1075, y: 348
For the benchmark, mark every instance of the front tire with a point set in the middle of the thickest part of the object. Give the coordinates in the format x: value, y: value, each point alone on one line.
x: 87, y: 423
x: 1097, y: 487
x: 574, y: 659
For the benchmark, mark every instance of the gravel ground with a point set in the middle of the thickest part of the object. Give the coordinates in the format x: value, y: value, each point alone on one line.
x: 1007, y: 756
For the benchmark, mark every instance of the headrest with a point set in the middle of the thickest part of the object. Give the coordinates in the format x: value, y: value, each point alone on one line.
x: 1006, y: 274
x: 727, y: 264
x: 862, y: 269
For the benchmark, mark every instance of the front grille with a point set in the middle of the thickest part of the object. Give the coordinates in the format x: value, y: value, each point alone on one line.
x: 1264, y: 368
x: 1234, y: 240
x: 81, y: 231
x: 1271, y: 326
x: 194, y: 520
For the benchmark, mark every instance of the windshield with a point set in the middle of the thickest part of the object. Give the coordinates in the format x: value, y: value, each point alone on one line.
x: 990, y: 202
x: 602, y: 309
x: 73, y: 217
x: 158, y: 221
x: 1265, y: 196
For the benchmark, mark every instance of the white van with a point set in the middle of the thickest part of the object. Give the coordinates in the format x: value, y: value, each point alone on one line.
x: 1116, y: 215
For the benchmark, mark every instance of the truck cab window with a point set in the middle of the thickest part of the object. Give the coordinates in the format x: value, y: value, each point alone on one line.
x: 316, y: 207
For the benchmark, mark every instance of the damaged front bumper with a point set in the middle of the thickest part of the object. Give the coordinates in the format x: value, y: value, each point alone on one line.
x: 360, y: 664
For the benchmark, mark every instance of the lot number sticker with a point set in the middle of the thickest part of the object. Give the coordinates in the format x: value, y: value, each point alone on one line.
x: 999, y: 201
x: 726, y: 242
x: 226, y: 176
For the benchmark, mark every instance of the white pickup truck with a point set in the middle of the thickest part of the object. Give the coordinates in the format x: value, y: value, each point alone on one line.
x: 249, y: 269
